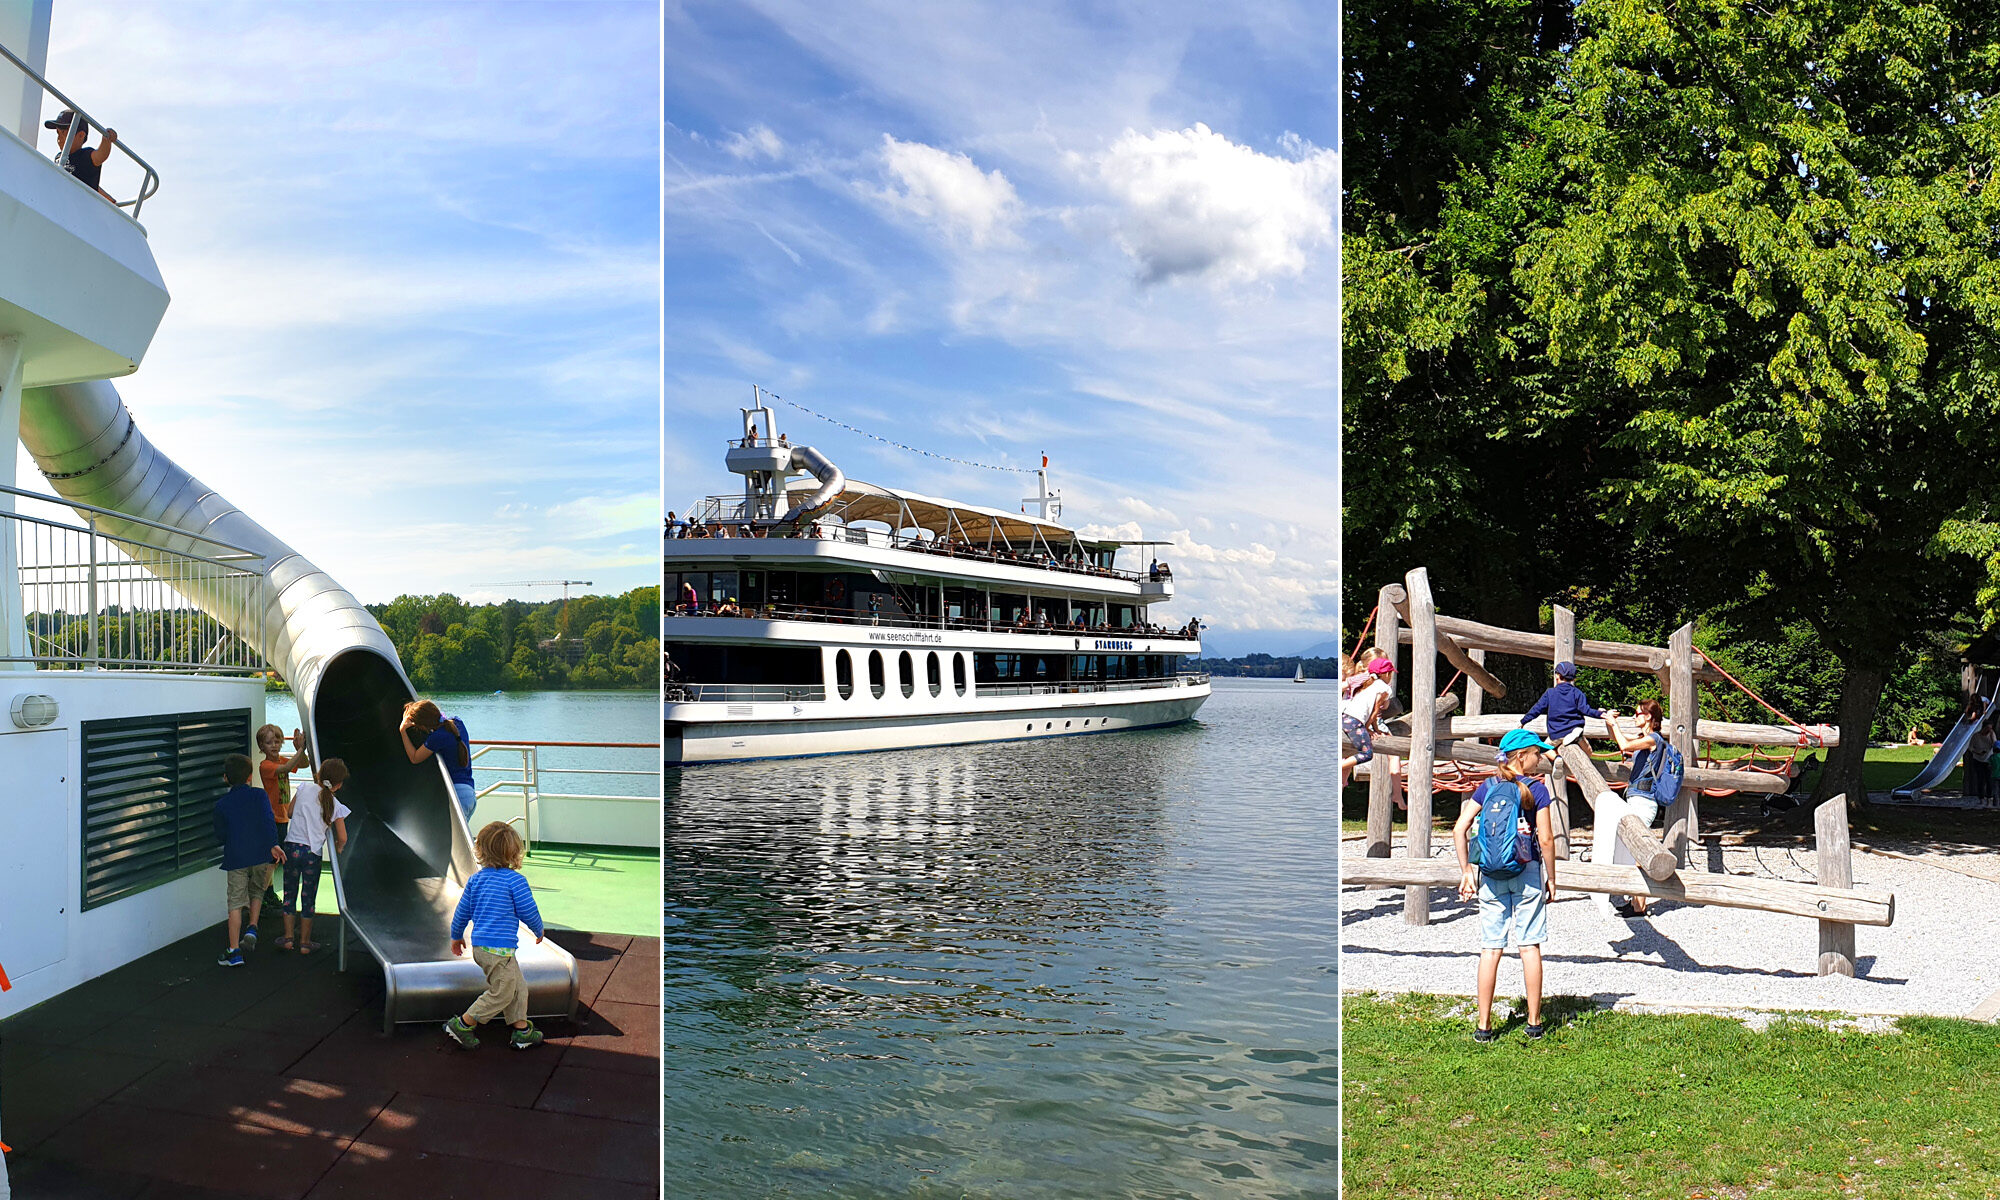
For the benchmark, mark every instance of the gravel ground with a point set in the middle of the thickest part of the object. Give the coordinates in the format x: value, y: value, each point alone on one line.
x: 1941, y: 957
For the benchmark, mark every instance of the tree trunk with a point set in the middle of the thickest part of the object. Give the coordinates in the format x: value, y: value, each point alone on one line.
x: 1860, y: 694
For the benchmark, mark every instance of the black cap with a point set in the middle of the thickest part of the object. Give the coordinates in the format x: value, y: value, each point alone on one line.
x: 61, y: 120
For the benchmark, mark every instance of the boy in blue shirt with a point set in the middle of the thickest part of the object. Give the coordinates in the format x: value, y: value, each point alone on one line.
x: 1566, y: 707
x: 496, y: 903
x: 249, y: 836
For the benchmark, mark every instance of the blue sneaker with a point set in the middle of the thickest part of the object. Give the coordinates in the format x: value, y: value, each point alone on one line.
x: 249, y: 939
x: 230, y: 958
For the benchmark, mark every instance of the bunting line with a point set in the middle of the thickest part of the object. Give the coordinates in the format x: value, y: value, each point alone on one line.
x: 963, y: 462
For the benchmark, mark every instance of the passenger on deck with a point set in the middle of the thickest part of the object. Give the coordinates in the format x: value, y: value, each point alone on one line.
x: 249, y: 839
x: 319, y: 811
x: 496, y: 903
x: 673, y: 525
x: 445, y: 737
x: 84, y: 162
x: 728, y: 608
x: 690, y: 601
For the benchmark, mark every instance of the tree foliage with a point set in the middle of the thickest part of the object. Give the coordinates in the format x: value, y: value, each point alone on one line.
x: 1699, y: 318
x: 590, y: 642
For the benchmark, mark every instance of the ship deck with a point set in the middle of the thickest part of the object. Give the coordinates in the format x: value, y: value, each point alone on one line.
x: 173, y: 1077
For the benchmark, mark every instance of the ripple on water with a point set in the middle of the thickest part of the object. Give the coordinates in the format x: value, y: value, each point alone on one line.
x: 1096, y: 966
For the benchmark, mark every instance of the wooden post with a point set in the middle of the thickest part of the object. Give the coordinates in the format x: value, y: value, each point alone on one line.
x: 1382, y: 774
x: 1475, y: 696
x: 1565, y: 652
x: 1423, y: 736
x: 1836, y: 870
x: 1680, y: 731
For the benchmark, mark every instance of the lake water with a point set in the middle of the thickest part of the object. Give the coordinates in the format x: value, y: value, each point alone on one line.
x: 1085, y: 967
x: 547, y: 717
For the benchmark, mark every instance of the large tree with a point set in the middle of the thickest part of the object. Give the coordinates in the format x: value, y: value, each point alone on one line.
x: 1758, y: 278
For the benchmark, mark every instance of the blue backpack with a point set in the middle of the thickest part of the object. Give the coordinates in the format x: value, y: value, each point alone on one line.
x: 1661, y: 778
x: 1498, y: 849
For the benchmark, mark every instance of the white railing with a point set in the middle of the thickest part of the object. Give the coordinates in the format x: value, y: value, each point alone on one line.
x: 897, y: 620
x: 149, y: 182
x: 746, y: 693
x: 523, y: 773
x: 1074, y: 687
x: 89, y: 600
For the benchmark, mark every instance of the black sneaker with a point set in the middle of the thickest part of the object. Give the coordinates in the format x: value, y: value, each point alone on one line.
x: 1535, y: 1033
x: 1628, y: 912
x: 1483, y: 1035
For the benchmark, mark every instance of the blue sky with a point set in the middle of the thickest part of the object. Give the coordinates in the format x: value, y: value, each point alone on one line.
x: 1102, y: 231
x: 414, y: 257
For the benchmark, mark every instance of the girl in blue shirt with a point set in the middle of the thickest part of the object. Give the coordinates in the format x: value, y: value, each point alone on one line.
x: 445, y: 737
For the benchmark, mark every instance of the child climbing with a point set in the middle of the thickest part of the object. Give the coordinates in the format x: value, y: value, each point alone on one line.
x: 1361, y: 716
x: 1655, y: 778
x: 1566, y: 706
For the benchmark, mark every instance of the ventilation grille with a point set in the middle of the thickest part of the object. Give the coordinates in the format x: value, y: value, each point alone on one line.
x: 149, y: 790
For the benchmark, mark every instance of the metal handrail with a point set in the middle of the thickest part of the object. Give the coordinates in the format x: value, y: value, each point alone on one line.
x: 1072, y: 687
x: 529, y: 783
x: 897, y: 541
x: 239, y: 555
x: 797, y: 612
x: 148, y: 186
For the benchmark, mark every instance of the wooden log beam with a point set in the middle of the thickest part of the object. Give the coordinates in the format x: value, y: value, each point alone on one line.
x: 1382, y: 783
x: 1730, y: 733
x: 1458, y: 656
x: 1475, y: 696
x: 1610, y: 656
x: 1653, y: 858
x: 1565, y: 623
x: 1423, y: 733
x: 1761, y: 782
x: 1836, y: 869
x: 1682, y: 715
x: 1858, y: 906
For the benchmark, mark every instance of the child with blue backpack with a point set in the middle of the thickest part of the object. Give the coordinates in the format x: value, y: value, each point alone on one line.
x: 1506, y: 856
x: 1657, y: 771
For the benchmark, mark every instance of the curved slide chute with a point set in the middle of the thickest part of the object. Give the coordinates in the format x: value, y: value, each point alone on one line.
x: 409, y: 852
x: 820, y: 467
x: 1950, y: 750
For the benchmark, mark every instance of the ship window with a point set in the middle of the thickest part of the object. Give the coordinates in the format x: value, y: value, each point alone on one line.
x: 934, y: 674
x: 722, y: 586
x: 843, y: 674
x: 876, y: 686
x: 958, y: 673
x: 149, y: 789
x: 907, y: 672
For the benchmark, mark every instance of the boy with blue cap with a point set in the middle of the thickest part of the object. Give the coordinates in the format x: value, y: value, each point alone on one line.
x: 1566, y: 707
x: 1509, y: 863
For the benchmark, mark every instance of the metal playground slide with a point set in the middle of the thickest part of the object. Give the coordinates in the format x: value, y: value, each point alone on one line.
x: 409, y: 852
x: 1949, y: 751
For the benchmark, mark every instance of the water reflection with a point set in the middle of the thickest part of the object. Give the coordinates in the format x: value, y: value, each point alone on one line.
x: 1086, y: 967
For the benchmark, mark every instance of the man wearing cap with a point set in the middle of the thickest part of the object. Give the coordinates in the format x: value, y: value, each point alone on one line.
x: 1566, y: 707
x: 84, y: 162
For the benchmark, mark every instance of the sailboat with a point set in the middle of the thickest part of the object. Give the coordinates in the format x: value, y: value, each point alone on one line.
x: 1299, y: 673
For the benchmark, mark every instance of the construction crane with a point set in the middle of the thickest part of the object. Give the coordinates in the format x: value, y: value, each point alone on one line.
x: 564, y: 584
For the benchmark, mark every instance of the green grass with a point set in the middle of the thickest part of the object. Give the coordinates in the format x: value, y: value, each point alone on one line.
x: 595, y: 888
x: 1615, y: 1104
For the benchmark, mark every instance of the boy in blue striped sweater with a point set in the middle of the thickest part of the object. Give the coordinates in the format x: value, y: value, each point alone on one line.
x: 496, y: 902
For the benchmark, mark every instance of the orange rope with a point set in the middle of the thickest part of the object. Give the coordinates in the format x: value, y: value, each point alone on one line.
x: 1365, y: 627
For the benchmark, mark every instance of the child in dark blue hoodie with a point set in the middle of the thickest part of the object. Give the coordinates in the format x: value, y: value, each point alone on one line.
x: 1566, y: 706
x: 249, y: 836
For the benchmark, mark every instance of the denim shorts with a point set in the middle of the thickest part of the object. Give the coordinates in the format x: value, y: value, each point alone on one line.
x: 1519, y: 904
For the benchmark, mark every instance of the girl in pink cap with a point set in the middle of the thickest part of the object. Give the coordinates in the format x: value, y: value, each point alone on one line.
x: 1361, y: 716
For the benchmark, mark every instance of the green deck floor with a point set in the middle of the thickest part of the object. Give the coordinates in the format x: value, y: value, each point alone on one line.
x: 596, y: 888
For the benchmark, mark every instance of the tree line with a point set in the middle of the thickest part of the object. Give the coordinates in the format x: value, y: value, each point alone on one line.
x: 1683, y: 313
x: 588, y: 642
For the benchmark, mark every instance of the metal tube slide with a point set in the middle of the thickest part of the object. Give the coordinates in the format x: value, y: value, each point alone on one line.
x: 1949, y: 751
x: 409, y: 852
x: 831, y: 481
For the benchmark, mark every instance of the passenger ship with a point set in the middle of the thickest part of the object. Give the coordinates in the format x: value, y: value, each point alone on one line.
x: 817, y: 614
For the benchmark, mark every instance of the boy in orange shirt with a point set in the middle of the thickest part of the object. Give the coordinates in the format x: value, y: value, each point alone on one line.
x: 274, y: 772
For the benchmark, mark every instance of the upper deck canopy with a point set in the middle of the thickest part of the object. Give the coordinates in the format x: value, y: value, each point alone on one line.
x: 952, y: 519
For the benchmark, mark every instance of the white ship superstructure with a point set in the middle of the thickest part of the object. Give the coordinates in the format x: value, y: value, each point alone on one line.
x: 823, y: 615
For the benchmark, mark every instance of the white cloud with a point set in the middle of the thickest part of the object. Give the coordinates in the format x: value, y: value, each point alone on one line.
x: 603, y: 516
x: 948, y: 191
x: 1195, y: 203
x: 759, y: 142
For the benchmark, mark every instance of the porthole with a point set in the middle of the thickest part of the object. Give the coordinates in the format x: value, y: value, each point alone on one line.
x: 958, y: 673
x: 934, y: 674
x: 876, y: 676
x: 1048, y: 724
x: 1031, y: 727
x: 1066, y: 724
x: 907, y: 673
x: 843, y: 674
